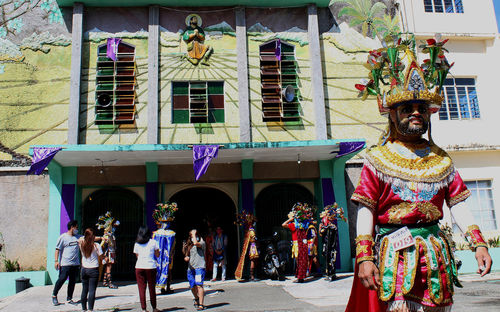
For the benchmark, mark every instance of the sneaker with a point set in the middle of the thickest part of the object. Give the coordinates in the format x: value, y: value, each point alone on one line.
x: 213, y: 280
x: 70, y: 301
x: 54, y: 301
x: 223, y: 280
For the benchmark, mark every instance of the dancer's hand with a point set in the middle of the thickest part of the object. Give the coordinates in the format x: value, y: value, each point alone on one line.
x: 483, y: 261
x: 369, y: 275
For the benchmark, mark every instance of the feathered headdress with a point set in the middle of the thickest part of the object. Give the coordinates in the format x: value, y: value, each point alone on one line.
x: 302, y: 214
x: 395, y: 75
x: 333, y: 212
x: 165, y: 212
x: 245, y: 218
x: 106, y: 222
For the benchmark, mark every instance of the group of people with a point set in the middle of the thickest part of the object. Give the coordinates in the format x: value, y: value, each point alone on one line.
x: 305, y: 239
x: 95, y: 259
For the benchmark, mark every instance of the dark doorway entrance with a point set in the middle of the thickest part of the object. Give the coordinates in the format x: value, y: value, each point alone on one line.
x: 272, y: 206
x: 200, y: 208
x: 127, y: 207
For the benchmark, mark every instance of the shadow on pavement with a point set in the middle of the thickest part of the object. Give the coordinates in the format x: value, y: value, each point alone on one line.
x: 216, y: 305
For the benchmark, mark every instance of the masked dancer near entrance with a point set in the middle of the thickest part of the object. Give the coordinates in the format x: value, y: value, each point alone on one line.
x: 298, y: 221
x: 163, y: 216
x: 403, y: 185
x: 108, y: 245
x: 312, y: 250
x: 328, y: 230
x: 247, y: 220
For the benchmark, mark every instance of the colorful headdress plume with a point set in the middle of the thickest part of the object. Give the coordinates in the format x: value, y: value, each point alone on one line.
x: 245, y: 218
x: 396, y: 77
x: 165, y: 212
x: 106, y: 222
x: 302, y: 212
x: 333, y: 212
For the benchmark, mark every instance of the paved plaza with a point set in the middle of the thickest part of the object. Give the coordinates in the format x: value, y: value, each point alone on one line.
x: 478, y: 294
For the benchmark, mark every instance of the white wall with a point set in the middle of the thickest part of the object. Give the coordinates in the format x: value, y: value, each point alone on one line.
x: 478, y: 19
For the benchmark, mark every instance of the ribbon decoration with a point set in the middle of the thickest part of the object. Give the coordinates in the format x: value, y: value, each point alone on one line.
x: 112, y: 48
x: 202, y: 156
x: 41, y: 158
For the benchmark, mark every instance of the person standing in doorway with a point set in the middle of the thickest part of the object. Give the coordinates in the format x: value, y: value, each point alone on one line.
x: 146, y: 249
x: 194, y: 254
x: 108, y: 244
x: 209, y: 254
x: 219, y: 246
x: 298, y: 221
x: 91, y: 251
x: 67, y: 261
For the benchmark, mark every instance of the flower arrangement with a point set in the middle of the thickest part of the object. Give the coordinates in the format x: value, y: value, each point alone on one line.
x: 245, y: 218
x: 165, y: 212
x: 333, y: 212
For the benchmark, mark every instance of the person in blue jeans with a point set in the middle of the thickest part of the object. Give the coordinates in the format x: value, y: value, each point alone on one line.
x: 219, y: 246
x: 91, y: 252
x: 194, y: 254
x: 67, y: 261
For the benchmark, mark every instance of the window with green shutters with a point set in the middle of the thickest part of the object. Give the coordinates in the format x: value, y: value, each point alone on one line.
x: 197, y: 102
x: 115, y: 94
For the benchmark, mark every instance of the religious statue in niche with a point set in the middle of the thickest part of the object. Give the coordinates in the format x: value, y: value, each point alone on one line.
x: 194, y: 36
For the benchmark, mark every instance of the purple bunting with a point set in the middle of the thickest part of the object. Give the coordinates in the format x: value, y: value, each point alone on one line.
x: 112, y: 48
x: 41, y: 158
x: 277, y: 50
x: 349, y: 147
x: 202, y: 156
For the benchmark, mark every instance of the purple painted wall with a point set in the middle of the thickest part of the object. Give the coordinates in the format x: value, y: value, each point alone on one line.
x: 67, y: 206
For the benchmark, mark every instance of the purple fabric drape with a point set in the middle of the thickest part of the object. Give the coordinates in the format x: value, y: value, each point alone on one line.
x: 277, y: 50
x: 67, y: 206
x: 112, y: 48
x: 329, y: 199
x: 202, y: 156
x: 247, y: 195
x: 349, y: 147
x: 41, y: 158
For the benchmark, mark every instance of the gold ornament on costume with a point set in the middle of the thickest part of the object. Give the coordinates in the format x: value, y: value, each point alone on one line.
x: 106, y: 222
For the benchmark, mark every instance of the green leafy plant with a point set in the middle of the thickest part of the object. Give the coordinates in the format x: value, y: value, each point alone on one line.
x: 11, y: 265
x: 362, y: 12
x: 494, y: 242
x: 387, y: 26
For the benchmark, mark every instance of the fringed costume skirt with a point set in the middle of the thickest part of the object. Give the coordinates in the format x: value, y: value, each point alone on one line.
x: 420, y: 277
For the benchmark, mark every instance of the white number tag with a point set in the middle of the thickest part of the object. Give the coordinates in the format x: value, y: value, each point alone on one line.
x: 197, y: 278
x: 401, y: 239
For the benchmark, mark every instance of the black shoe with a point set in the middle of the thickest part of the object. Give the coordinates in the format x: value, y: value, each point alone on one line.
x: 70, y: 301
x: 54, y: 301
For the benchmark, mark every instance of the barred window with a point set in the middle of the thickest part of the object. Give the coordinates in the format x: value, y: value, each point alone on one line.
x: 443, y: 6
x: 197, y: 102
x: 460, y: 100
x: 481, y: 204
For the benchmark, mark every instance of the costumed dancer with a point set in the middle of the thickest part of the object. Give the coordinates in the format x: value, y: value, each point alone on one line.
x: 247, y: 220
x: 329, y: 231
x: 298, y: 221
x: 402, y: 189
x: 163, y: 216
x: 312, y: 249
x: 108, y: 245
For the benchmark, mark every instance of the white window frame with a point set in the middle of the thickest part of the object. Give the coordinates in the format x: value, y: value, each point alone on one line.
x: 478, y: 205
x: 442, y: 4
x: 446, y: 102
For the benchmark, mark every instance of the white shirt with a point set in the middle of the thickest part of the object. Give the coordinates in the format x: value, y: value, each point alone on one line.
x: 92, y: 261
x: 146, y: 254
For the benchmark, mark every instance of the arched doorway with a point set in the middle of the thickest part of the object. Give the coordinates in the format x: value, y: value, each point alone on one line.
x: 127, y: 207
x: 199, y: 208
x: 272, y: 206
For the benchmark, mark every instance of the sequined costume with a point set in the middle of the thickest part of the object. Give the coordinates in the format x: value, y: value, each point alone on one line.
x: 166, y: 242
x: 299, y: 249
x: 408, y: 184
x: 328, y: 230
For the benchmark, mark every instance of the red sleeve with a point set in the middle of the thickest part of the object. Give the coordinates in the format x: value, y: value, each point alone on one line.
x: 367, y: 192
x: 457, y: 191
x: 291, y: 226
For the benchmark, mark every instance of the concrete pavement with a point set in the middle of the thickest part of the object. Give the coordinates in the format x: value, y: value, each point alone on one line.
x: 478, y: 294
